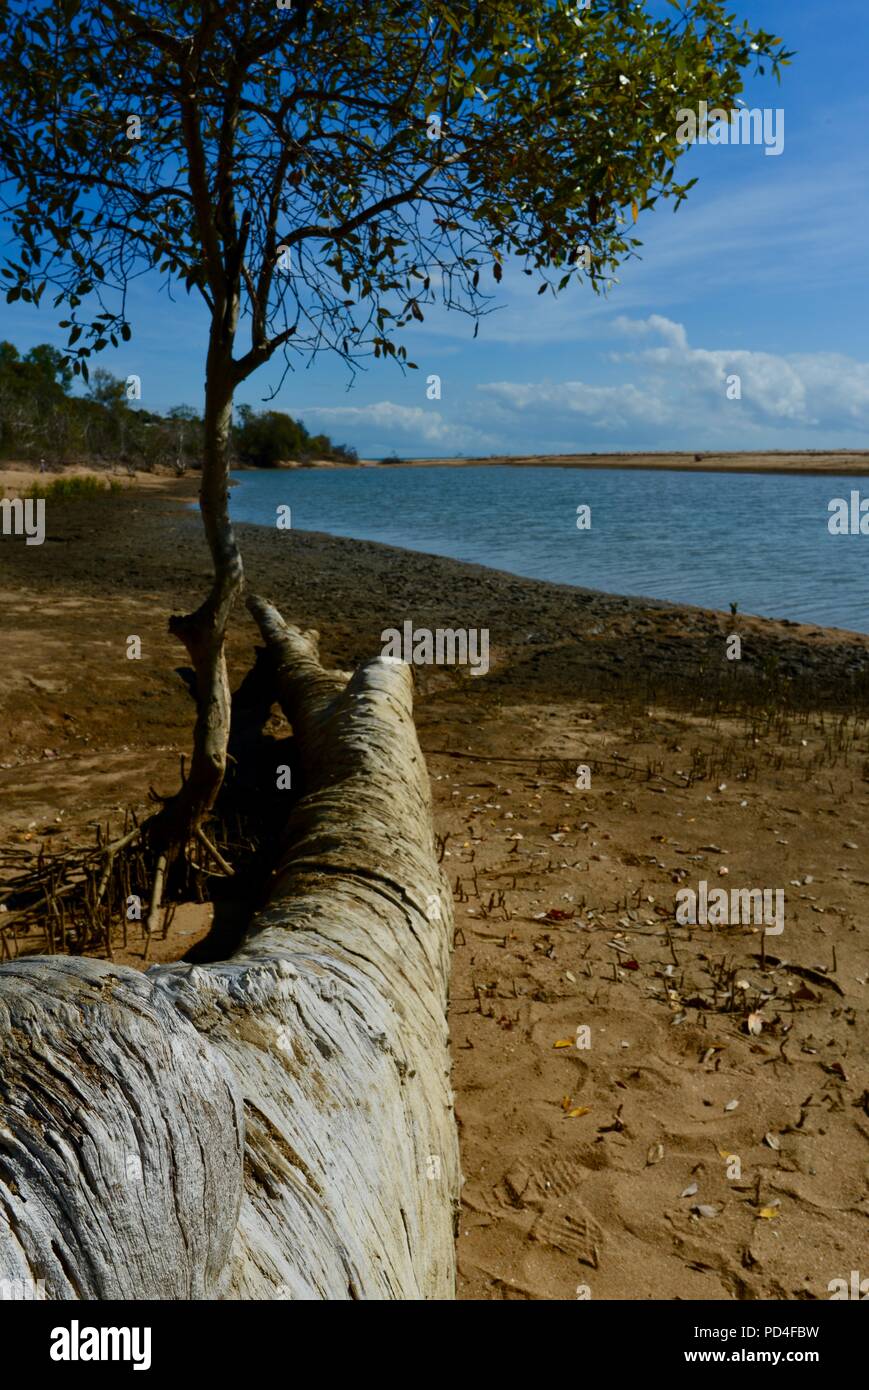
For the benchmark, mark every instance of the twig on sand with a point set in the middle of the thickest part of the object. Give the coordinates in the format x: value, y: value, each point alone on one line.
x: 214, y: 852
x: 156, y: 900
x: 110, y: 851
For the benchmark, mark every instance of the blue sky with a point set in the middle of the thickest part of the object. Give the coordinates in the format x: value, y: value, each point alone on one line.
x: 762, y: 274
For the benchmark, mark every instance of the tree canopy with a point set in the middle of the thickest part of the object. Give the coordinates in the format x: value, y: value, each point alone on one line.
x: 324, y: 170
x: 319, y: 172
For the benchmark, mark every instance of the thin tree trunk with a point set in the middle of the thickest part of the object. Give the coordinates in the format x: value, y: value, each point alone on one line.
x: 279, y: 1125
x: 204, y: 632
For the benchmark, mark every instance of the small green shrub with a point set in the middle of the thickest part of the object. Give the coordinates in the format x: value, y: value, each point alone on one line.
x: 75, y: 488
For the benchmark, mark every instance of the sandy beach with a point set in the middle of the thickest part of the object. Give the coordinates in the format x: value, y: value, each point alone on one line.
x: 845, y: 461
x: 710, y: 1140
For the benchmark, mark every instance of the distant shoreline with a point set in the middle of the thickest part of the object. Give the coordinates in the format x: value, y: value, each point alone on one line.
x: 17, y: 476
x: 850, y: 462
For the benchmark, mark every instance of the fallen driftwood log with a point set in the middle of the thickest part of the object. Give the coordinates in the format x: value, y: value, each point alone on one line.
x: 278, y: 1125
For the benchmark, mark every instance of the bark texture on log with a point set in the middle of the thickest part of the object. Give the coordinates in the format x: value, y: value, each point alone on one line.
x: 121, y: 1137
x: 288, y: 1112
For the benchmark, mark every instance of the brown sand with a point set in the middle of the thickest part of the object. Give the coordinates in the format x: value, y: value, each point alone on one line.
x: 835, y: 461
x: 565, y: 897
x: 15, y: 478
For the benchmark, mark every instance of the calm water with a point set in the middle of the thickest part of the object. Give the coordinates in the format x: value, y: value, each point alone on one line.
x: 759, y: 540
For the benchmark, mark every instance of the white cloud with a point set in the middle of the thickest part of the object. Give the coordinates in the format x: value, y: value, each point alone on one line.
x: 770, y: 385
x: 662, y: 393
x: 677, y: 396
x: 673, y: 333
x: 382, y: 423
x: 603, y: 407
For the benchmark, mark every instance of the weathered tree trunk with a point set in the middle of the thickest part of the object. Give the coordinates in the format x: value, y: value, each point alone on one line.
x: 279, y: 1125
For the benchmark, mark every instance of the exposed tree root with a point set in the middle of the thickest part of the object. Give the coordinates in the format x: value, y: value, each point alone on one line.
x: 89, y: 899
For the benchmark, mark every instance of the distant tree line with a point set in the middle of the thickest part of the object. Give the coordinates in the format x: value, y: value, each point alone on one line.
x: 268, y: 437
x: 41, y: 420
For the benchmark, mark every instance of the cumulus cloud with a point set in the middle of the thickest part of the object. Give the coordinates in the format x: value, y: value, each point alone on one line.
x: 381, y: 425
x: 603, y: 407
x: 673, y: 333
x: 661, y: 393
x: 683, y: 396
